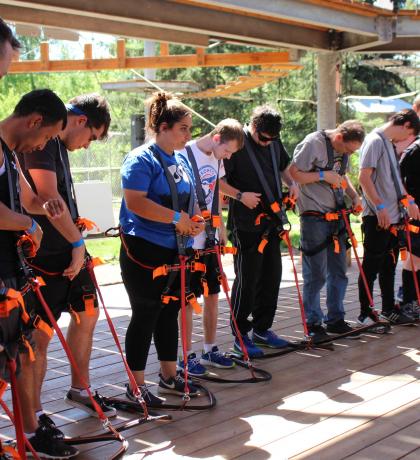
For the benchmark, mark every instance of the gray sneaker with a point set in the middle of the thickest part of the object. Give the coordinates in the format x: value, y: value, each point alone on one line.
x: 75, y: 399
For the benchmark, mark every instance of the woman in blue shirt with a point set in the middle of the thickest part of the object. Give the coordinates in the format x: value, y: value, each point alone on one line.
x: 149, y: 226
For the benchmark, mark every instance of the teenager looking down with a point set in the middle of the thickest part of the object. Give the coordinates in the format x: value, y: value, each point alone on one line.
x: 257, y: 275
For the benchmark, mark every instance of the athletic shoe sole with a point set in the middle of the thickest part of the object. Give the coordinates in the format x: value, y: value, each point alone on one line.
x: 171, y: 391
x: 266, y: 345
x: 240, y: 353
x: 337, y: 334
x: 204, y: 362
x: 88, y: 410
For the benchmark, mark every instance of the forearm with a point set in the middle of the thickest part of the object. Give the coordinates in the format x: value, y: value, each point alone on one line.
x: 14, y: 221
x: 148, y: 209
x: 302, y: 177
x: 369, y: 191
x: 227, y: 189
x: 66, y: 227
x: 351, y: 192
x: 287, y: 178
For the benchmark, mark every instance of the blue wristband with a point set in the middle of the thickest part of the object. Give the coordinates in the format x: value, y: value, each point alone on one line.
x: 78, y: 243
x: 321, y: 175
x: 380, y: 206
x: 177, y: 216
x: 32, y: 228
x: 411, y: 202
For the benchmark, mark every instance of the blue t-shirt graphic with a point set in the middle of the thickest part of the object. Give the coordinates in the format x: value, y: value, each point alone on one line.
x: 142, y: 171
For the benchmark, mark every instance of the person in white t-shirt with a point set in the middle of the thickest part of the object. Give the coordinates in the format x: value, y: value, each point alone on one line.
x: 208, y: 153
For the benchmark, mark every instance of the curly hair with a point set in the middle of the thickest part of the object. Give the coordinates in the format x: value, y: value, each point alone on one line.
x: 164, y: 108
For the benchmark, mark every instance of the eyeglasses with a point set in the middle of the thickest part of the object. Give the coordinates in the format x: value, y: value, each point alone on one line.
x: 263, y: 138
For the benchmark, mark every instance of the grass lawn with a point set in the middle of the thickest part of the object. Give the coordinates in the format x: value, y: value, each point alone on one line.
x: 108, y: 248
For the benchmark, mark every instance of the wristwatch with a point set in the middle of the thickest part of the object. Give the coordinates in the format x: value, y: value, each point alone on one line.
x: 239, y: 196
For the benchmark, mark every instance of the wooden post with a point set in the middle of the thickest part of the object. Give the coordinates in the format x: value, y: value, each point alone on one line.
x: 200, y: 55
x: 121, y: 53
x: 164, y: 49
x: 45, y: 55
x: 88, y: 54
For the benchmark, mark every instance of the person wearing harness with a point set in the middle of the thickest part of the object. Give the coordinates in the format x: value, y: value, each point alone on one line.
x: 60, y: 260
x: 156, y: 180
x: 320, y: 162
x: 206, y: 155
x: 254, y: 224
x: 39, y: 116
x: 410, y: 171
x: 384, y: 207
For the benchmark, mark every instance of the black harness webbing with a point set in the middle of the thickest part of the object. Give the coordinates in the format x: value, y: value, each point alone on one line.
x: 209, y: 227
x: 275, y: 204
x: 70, y: 191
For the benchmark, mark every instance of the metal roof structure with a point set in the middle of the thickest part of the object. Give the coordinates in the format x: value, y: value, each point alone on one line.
x: 318, y: 25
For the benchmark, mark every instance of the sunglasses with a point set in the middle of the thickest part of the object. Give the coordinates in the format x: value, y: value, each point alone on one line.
x: 263, y: 138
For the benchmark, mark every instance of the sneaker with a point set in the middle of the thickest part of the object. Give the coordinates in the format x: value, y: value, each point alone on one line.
x: 411, y: 309
x: 269, y: 339
x: 149, y: 398
x: 75, y: 399
x: 195, y: 368
x: 47, y: 422
x: 176, y: 386
x: 251, y: 348
x: 317, y: 333
x: 341, y: 327
x: 216, y: 358
x: 46, y: 446
x: 365, y: 320
x: 396, y: 316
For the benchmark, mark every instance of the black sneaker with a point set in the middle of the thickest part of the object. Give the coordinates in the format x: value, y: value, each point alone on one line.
x: 150, y: 399
x: 75, y: 399
x: 411, y: 310
x: 317, y: 333
x: 46, y: 446
x: 341, y: 327
x: 47, y: 422
x: 176, y: 386
x: 397, y: 317
x: 371, y: 324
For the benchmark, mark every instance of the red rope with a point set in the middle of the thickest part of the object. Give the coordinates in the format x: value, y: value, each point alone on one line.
x: 182, y: 263
x: 133, y: 383
x: 413, y: 268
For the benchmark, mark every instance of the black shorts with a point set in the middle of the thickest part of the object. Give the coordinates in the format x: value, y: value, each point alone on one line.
x: 211, y: 276
x: 60, y: 293
x: 14, y: 332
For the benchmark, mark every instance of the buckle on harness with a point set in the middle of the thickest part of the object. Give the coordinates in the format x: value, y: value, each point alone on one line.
x: 89, y: 302
x: 275, y: 207
x: 331, y: 216
x: 216, y: 221
x: 160, y: 271
x: 403, y: 253
x: 41, y: 325
x: 259, y: 217
x: 167, y: 298
x: 192, y: 300
x: 197, y: 267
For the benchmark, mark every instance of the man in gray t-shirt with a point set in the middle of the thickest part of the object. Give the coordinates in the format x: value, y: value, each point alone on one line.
x: 382, y: 188
x: 319, y: 164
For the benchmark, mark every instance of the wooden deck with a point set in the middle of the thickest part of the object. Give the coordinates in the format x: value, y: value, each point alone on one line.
x: 361, y: 401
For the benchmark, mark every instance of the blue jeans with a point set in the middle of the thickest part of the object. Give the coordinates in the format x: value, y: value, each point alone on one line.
x: 324, y: 266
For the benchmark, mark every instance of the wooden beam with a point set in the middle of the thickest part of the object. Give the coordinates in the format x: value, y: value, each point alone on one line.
x: 23, y: 15
x: 155, y: 62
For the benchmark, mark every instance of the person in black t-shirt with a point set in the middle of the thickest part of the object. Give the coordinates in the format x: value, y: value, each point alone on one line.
x: 258, y: 274
x: 39, y: 116
x: 61, y: 258
x: 410, y: 173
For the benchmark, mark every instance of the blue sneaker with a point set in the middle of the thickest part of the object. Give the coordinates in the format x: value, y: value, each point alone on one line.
x: 215, y: 358
x: 269, y: 339
x: 252, y: 349
x: 194, y: 367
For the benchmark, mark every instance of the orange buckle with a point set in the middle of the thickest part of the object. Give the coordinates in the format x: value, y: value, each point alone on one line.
x: 11, y: 451
x: 413, y: 228
x: 28, y: 346
x: 75, y: 315
x: 403, y: 253
x: 40, y: 281
x: 259, y: 217
x: 197, y: 267
x: 206, y: 214
x: 96, y: 261
x: 41, y: 325
x: 85, y: 224
x: 192, y: 300
x: 404, y: 201
x: 13, y: 300
x: 3, y: 387
x: 28, y: 246
x: 224, y: 282
x: 262, y: 245
x: 160, y: 271
x: 167, y: 298
x: 275, y: 207
x: 89, y: 301
x: 216, y: 221
x: 228, y: 250
x: 357, y: 209
x: 336, y: 245
x: 393, y: 230
x: 329, y: 216
x: 205, y: 287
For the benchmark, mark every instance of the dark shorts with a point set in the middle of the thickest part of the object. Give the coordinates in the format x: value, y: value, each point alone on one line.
x: 61, y: 294
x: 211, y: 276
x: 14, y: 332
